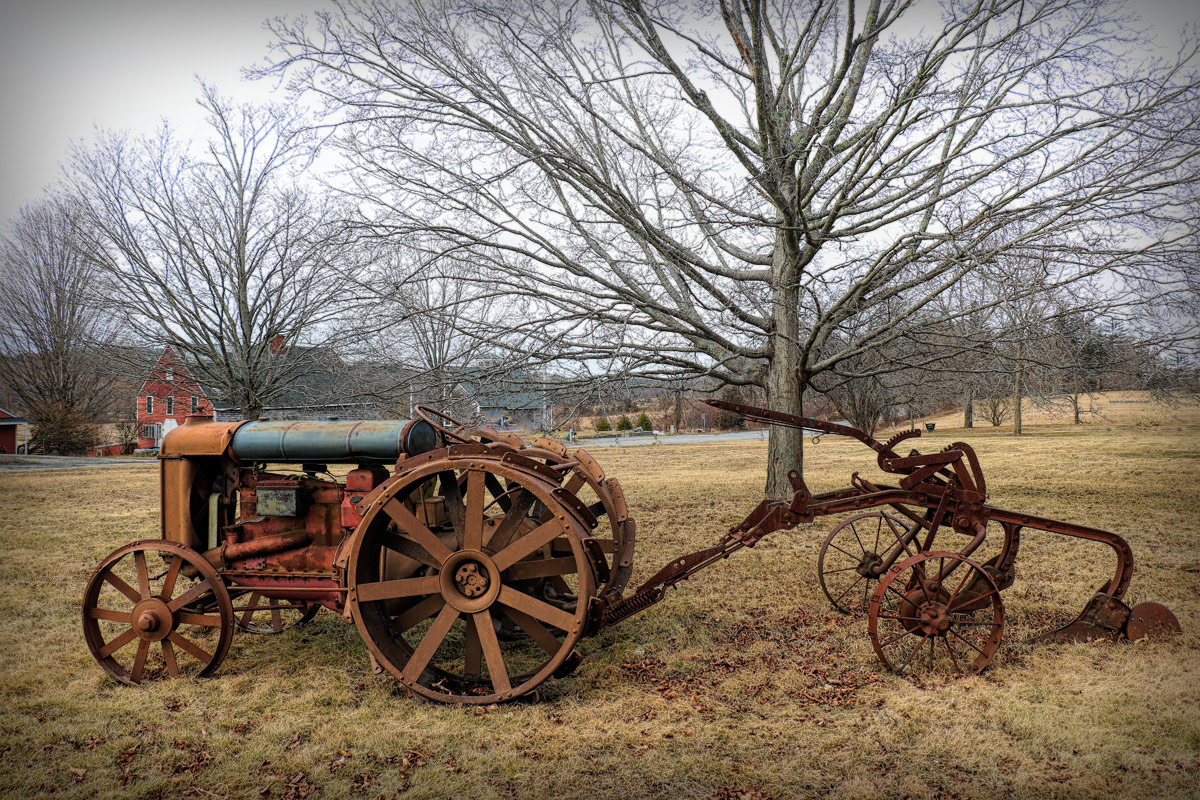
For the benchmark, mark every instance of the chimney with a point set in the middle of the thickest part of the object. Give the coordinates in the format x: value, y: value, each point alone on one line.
x: 277, y: 344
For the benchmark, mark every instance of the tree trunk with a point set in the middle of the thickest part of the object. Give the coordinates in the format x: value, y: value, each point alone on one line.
x: 969, y: 409
x: 678, y: 410
x: 785, y: 449
x: 1075, y: 407
x: 1017, y: 392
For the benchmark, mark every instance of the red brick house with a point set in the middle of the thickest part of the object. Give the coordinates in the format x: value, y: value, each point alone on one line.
x: 8, y: 431
x: 168, y: 396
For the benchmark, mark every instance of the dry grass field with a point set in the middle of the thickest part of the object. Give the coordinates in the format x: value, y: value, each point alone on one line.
x: 741, y: 684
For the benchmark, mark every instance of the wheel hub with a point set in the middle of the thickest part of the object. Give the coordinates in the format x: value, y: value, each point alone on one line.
x: 870, y: 565
x: 924, y: 612
x: 469, y: 581
x: 152, y: 619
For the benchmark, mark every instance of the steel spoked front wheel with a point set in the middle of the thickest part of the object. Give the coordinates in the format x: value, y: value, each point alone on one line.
x: 142, y: 622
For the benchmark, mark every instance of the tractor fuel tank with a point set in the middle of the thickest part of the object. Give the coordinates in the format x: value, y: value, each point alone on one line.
x: 358, y: 442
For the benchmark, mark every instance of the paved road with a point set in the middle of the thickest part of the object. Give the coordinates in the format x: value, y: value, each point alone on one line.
x: 15, y: 463
x: 683, y: 438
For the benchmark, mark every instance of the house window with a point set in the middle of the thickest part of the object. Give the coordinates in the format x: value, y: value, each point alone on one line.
x: 195, y: 404
x: 170, y: 375
x: 170, y: 405
x: 149, y: 404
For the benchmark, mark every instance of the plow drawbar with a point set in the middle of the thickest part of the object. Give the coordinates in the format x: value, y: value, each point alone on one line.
x: 473, y: 563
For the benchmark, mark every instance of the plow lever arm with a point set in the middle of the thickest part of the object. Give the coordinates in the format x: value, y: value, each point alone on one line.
x: 793, y: 421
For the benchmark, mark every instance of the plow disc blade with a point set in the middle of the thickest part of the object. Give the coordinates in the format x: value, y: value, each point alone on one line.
x: 1106, y: 617
x: 1151, y: 619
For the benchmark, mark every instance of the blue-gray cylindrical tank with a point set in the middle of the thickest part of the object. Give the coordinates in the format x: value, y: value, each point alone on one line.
x: 332, y: 442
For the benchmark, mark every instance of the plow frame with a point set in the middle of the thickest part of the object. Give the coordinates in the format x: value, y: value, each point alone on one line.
x: 944, y: 490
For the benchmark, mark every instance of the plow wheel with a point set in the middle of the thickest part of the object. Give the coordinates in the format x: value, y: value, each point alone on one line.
x: 936, y: 612
x: 254, y: 613
x: 851, y: 560
x: 485, y: 606
x: 141, y: 622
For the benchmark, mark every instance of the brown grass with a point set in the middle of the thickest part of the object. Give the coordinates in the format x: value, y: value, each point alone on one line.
x: 740, y: 681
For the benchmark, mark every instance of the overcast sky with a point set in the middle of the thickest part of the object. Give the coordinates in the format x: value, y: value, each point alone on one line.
x: 67, y: 66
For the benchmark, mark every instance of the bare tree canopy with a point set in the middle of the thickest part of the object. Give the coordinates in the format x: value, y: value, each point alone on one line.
x: 730, y: 192
x: 222, y: 256
x: 53, y: 337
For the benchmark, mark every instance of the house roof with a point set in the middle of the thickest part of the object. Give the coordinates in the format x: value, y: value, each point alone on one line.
x: 9, y: 418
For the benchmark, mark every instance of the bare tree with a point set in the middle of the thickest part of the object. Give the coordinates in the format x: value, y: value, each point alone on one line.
x: 431, y: 329
x: 222, y: 256
x: 54, y: 338
x: 723, y: 191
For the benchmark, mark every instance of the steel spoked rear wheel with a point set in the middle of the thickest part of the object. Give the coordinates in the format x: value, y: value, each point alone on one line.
x: 936, y: 612
x: 142, y: 616
x: 485, y: 606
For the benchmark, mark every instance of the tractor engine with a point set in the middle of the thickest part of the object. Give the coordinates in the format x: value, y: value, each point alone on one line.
x: 277, y: 531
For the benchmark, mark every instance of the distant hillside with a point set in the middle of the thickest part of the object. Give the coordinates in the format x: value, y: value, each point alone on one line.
x: 1101, y: 409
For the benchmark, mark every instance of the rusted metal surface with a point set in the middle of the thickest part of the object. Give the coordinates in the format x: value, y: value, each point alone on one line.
x: 473, y: 563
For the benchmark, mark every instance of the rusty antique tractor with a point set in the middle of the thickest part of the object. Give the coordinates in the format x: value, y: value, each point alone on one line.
x: 473, y: 563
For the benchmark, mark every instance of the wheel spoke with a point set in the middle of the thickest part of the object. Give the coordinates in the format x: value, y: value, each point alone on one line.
x: 954, y: 633
x: 119, y: 642
x: 983, y: 596
x: 848, y: 588
x: 539, y: 536
x: 895, y: 638
x: 408, y: 548
x: 516, y: 513
x: 207, y: 620
x: 416, y: 530
x: 402, y: 587
x: 473, y: 534
x: 497, y: 669
x: 189, y: 647
x: 139, y: 662
x: 967, y: 573
x: 429, y: 643
x: 276, y: 620
x: 195, y: 593
x: 536, y: 630
x: 953, y: 656
x: 541, y: 568
x: 879, y: 530
x: 169, y: 657
x: 499, y: 494
x: 536, y: 608
x: 251, y: 606
x: 843, y: 569
x: 418, y: 613
x: 911, y: 654
x: 168, y: 587
x: 854, y: 531
x: 473, y: 655
x: 110, y: 615
x: 452, y: 494
x: 575, y: 483
x: 122, y: 587
x: 843, y: 552
x: 143, y: 575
